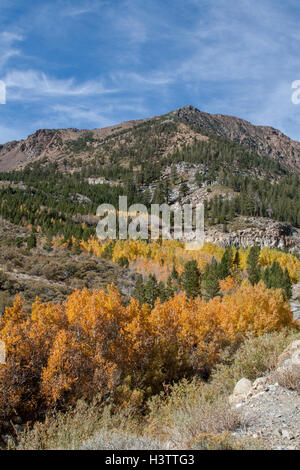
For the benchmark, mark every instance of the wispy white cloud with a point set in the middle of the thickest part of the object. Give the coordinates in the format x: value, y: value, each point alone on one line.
x: 104, y: 116
x: 147, y: 80
x: 67, y: 114
x: 31, y: 83
x: 131, y: 27
x: 242, y: 43
x: 73, y: 12
x: 7, y: 46
x: 147, y: 58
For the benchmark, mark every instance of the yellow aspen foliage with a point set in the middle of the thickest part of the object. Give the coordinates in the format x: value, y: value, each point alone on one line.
x: 12, y: 326
x: 286, y: 260
x: 46, y: 321
x: 243, y: 254
x: 228, y: 285
x: 159, y: 257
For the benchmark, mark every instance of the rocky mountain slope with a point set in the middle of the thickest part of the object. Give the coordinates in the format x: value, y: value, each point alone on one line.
x: 252, y: 231
x: 247, y: 176
x: 264, y: 140
x: 48, y: 142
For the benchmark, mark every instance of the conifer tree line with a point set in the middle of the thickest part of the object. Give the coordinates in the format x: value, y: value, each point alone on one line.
x: 53, y: 199
x: 194, y: 284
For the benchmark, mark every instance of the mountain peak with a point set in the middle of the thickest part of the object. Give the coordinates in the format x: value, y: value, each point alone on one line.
x: 263, y: 140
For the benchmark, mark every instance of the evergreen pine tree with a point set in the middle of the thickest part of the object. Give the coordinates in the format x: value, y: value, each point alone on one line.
x: 236, y: 266
x: 151, y: 290
x: 226, y: 263
x: 138, y: 292
x: 191, y: 278
x: 183, y: 190
x: 211, y: 280
x: 287, y: 284
x: 276, y: 278
x: 254, y: 271
x: 174, y: 274
x: 170, y: 288
x: 236, y: 260
x: 31, y: 242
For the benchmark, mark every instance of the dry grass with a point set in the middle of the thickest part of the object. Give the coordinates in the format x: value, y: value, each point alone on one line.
x: 189, y: 414
x: 287, y: 377
x: 256, y: 357
x: 186, y: 411
x: 225, y: 441
x: 189, y: 409
x: 121, y: 441
x: 70, y: 430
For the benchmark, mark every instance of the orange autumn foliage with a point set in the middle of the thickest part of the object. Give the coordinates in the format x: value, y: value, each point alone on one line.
x: 228, y: 285
x: 95, y: 344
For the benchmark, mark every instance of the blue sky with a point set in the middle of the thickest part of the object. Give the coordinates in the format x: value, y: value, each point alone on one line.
x: 94, y: 63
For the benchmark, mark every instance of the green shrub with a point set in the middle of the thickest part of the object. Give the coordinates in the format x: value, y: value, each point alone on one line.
x: 3, y: 279
x: 31, y: 242
x: 123, y: 262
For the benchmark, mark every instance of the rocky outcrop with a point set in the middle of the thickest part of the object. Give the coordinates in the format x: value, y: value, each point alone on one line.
x: 295, y: 301
x: 241, y: 391
x: 291, y: 356
x: 260, y: 231
x: 270, y: 406
x: 20, y: 152
x: 49, y: 143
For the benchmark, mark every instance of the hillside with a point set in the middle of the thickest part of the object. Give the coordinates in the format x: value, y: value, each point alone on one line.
x: 264, y: 140
x: 48, y: 142
x: 97, y: 333
x: 234, y: 168
x: 51, y: 272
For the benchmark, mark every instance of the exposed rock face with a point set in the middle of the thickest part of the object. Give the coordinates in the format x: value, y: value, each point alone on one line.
x: 291, y: 356
x: 48, y: 143
x: 240, y: 392
x: 263, y: 232
x: 295, y: 301
x: 15, y: 153
x: 272, y: 416
x: 262, y: 139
